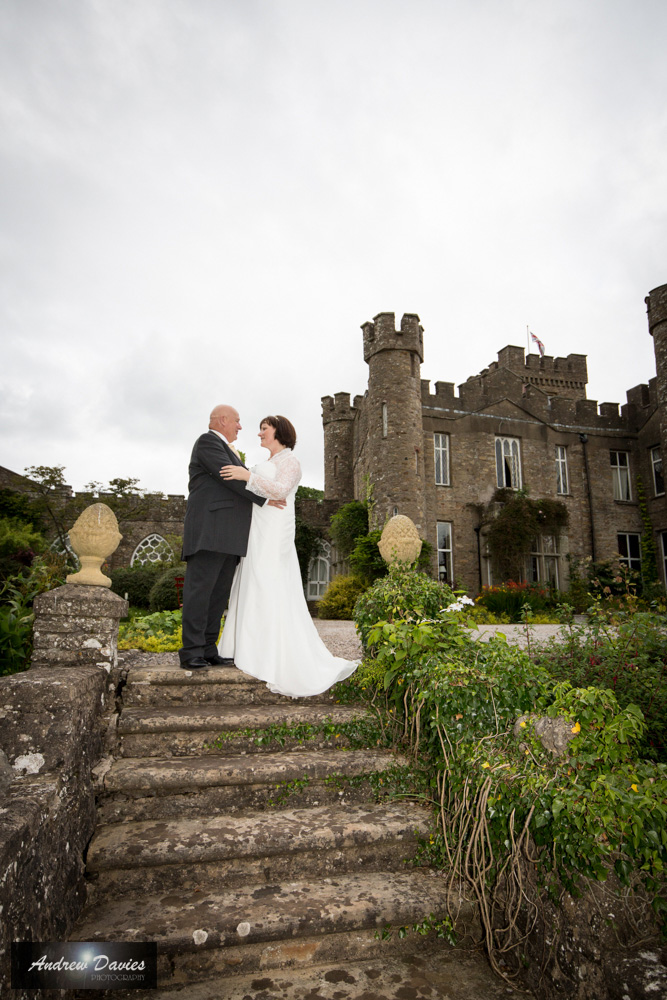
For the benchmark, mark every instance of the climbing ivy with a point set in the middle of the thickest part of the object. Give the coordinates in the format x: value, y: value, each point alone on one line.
x: 512, y: 528
x: 649, y: 551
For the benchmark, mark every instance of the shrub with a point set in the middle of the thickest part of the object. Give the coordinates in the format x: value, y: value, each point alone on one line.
x: 17, y: 536
x: 402, y: 594
x: 365, y: 558
x: 16, y: 614
x: 163, y: 594
x: 306, y: 540
x: 156, y: 633
x: 347, y: 525
x: 136, y: 582
x: 625, y: 653
x: 467, y: 712
x: 339, y: 598
x: 509, y: 599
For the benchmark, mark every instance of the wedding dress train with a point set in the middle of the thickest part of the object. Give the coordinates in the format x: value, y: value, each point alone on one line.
x: 268, y: 629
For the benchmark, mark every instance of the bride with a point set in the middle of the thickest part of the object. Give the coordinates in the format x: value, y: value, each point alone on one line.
x: 268, y: 629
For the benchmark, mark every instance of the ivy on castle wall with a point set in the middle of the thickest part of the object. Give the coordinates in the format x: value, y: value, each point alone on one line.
x: 513, y: 519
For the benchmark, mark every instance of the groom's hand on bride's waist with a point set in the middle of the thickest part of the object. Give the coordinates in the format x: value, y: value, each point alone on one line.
x: 276, y: 503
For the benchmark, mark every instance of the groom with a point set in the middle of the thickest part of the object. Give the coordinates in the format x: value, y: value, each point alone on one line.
x: 215, y: 535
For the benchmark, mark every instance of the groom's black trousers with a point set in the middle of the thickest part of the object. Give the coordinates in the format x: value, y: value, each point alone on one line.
x: 208, y: 581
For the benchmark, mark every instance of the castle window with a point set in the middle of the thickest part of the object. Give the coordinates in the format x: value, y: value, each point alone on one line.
x: 620, y: 472
x: 658, y: 479
x: 385, y: 421
x: 561, y: 470
x: 152, y: 549
x: 543, y: 561
x: 663, y: 539
x: 445, y: 564
x: 441, y: 456
x: 319, y: 572
x: 629, y: 550
x: 508, y: 463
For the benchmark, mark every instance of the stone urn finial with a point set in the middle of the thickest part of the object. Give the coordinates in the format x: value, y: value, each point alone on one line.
x: 400, y: 541
x: 94, y: 537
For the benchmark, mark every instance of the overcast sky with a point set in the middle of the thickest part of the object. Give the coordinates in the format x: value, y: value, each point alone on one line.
x: 202, y: 200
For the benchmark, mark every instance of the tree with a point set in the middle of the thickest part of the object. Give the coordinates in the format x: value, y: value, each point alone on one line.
x: 50, y: 487
x: 348, y: 524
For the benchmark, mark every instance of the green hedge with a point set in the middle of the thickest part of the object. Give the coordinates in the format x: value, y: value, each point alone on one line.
x: 339, y: 598
x: 164, y: 595
x: 136, y: 582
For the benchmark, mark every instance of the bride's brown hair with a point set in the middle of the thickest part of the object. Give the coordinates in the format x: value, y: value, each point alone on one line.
x: 285, y: 433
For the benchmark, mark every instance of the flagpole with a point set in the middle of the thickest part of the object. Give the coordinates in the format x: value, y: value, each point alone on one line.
x: 527, y: 339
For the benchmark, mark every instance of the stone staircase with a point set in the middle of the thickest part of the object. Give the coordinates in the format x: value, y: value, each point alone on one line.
x: 262, y: 870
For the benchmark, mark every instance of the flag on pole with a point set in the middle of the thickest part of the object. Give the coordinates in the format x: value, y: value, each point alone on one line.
x: 540, y: 345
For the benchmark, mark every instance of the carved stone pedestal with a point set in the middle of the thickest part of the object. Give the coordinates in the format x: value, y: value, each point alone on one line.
x: 77, y: 626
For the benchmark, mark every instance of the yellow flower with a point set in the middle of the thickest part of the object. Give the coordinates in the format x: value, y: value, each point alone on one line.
x: 576, y: 728
x: 523, y: 725
x: 634, y: 788
x: 486, y: 764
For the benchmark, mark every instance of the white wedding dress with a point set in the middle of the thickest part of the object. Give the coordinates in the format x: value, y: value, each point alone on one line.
x: 268, y: 629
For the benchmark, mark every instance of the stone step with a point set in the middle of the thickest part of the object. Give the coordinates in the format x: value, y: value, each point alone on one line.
x: 168, y: 684
x: 185, y: 731
x: 206, y: 934
x: 152, y: 788
x: 444, y: 973
x: 266, y: 847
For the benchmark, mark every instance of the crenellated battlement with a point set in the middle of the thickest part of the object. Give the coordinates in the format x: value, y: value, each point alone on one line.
x: 338, y: 407
x: 656, y: 308
x: 479, y: 393
x: 381, y: 335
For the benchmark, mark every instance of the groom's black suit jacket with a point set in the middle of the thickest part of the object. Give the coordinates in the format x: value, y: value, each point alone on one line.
x: 218, y: 514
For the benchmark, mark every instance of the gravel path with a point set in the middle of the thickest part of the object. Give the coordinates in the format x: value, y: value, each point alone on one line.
x: 341, y: 639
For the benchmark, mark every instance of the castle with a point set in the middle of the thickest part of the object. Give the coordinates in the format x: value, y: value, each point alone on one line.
x: 522, y: 423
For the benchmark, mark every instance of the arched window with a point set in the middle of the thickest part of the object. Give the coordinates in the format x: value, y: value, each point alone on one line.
x: 152, y: 549
x: 65, y: 550
x: 319, y: 572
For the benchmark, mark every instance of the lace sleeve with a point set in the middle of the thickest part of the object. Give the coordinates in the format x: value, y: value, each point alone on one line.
x: 288, y: 476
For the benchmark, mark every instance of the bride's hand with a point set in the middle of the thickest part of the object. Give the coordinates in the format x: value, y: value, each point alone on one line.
x: 235, y: 472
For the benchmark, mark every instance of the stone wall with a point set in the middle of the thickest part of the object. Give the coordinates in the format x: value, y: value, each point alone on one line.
x: 53, y: 728
x: 604, y: 943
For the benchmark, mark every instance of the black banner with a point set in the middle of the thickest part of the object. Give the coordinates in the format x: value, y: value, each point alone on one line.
x: 84, y: 965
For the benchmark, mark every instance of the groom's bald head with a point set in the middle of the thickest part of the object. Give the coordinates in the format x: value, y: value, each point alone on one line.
x: 226, y: 420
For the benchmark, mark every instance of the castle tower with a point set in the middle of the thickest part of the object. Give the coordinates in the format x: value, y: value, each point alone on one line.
x: 656, y: 303
x: 338, y: 422
x: 395, y: 460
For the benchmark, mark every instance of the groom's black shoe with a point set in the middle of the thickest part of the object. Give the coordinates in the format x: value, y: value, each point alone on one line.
x: 194, y: 663
x: 220, y: 661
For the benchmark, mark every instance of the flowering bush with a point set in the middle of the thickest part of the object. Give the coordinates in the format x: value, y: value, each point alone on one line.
x: 455, y: 704
x: 624, y: 652
x: 509, y: 599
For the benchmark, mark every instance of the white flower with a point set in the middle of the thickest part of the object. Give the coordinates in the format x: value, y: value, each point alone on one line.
x: 459, y: 604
